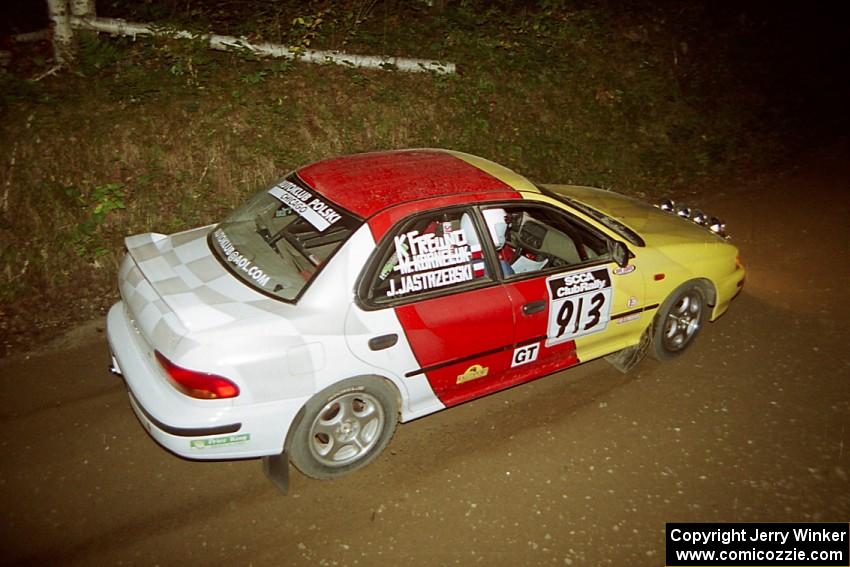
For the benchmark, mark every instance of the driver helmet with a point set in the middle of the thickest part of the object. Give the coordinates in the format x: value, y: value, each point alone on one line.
x: 497, y: 223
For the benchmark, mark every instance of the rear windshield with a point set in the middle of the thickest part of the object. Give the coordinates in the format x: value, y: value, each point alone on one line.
x: 279, y: 240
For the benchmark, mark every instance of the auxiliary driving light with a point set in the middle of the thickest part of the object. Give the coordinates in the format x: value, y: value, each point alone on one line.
x: 699, y: 217
x: 717, y: 226
x: 696, y: 216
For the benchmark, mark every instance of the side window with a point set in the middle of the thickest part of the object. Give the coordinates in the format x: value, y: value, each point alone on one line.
x: 534, y: 238
x: 427, y: 254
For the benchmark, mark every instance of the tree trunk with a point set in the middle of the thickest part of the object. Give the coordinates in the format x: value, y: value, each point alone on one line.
x: 63, y: 35
x: 82, y: 8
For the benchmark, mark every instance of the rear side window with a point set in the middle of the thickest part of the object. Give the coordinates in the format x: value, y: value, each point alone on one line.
x: 429, y: 255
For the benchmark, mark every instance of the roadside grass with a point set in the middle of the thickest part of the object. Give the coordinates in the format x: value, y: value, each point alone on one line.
x: 164, y: 135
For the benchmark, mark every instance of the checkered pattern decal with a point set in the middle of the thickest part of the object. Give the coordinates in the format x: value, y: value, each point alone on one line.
x: 172, y: 286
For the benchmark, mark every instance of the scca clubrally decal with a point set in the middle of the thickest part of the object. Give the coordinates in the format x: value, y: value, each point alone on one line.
x: 579, y: 304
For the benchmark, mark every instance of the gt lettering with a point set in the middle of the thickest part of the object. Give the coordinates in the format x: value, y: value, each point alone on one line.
x: 526, y: 354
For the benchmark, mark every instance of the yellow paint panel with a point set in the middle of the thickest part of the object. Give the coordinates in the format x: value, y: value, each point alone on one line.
x: 500, y: 172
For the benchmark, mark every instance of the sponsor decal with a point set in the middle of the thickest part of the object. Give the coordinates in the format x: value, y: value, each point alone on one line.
x: 312, y: 208
x: 417, y: 253
x: 428, y: 261
x: 238, y: 260
x: 525, y: 354
x: 429, y: 280
x: 474, y: 372
x: 219, y: 441
x: 632, y: 302
x: 621, y: 271
x: 579, y: 304
x: 627, y: 318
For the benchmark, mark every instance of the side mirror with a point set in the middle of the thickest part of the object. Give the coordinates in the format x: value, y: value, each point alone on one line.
x: 619, y: 253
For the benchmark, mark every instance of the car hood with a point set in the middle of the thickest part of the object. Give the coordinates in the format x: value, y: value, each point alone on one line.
x: 189, y: 282
x: 656, y: 227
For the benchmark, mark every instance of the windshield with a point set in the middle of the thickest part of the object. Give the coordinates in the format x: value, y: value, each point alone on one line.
x: 279, y: 239
x: 606, y: 220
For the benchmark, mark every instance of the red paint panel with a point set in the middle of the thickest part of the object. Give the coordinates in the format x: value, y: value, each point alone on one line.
x: 459, y: 331
x: 444, y: 380
x: 368, y: 183
x: 535, y: 325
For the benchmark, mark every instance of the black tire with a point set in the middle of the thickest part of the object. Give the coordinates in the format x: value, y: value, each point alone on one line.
x: 679, y: 321
x: 344, y: 427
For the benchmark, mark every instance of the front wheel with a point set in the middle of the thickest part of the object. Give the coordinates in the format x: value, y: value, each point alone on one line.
x: 679, y: 320
x: 344, y: 427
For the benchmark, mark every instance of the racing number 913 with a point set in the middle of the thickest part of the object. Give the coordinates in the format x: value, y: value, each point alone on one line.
x: 569, y: 309
x: 580, y: 304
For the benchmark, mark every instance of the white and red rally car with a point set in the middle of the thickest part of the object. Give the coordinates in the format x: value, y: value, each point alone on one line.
x: 364, y: 290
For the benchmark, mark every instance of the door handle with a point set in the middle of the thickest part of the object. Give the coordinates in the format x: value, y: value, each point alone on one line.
x: 533, y: 307
x: 382, y: 342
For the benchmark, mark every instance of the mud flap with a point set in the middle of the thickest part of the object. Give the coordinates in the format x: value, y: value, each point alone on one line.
x: 626, y: 359
x: 276, y: 468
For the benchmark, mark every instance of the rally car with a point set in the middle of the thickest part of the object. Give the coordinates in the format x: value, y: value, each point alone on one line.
x: 364, y: 290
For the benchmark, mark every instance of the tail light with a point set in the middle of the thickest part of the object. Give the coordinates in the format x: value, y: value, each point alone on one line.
x: 197, y: 384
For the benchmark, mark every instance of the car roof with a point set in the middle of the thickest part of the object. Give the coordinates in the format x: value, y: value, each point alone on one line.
x: 366, y: 184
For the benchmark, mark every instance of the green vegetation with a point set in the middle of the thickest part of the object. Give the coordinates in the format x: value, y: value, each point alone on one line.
x: 163, y: 135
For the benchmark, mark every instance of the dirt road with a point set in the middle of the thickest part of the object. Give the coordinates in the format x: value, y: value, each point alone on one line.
x: 579, y: 468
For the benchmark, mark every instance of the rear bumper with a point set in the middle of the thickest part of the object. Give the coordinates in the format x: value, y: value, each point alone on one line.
x: 182, y: 431
x: 194, y: 429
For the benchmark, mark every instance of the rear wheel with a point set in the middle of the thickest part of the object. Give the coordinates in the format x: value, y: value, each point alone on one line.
x: 344, y: 427
x: 679, y: 321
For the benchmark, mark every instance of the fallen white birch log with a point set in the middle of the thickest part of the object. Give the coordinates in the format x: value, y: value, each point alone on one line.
x: 231, y: 43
